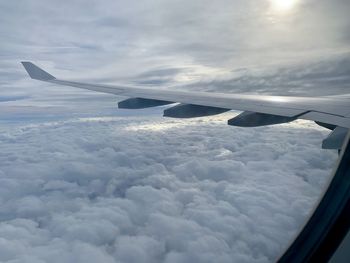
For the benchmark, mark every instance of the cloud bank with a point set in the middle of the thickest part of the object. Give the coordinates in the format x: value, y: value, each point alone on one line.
x: 128, y: 190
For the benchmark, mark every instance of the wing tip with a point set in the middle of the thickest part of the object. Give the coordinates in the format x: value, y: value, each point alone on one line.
x: 35, y: 72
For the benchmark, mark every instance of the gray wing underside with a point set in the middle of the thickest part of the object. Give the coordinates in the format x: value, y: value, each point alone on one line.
x: 257, y: 110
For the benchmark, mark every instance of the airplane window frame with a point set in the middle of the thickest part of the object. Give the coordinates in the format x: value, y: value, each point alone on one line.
x: 330, y: 222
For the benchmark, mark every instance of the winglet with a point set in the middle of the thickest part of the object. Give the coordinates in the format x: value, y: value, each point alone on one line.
x: 37, y: 73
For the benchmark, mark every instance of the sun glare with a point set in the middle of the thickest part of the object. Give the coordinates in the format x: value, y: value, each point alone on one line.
x: 283, y: 5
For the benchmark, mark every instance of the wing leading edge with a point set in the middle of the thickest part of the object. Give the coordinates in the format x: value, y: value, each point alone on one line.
x: 258, y: 110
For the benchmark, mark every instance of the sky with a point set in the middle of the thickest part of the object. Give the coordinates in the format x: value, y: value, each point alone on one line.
x: 82, y: 181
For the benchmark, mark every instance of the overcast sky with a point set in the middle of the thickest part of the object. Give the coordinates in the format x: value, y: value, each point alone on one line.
x: 165, y: 42
x: 81, y: 181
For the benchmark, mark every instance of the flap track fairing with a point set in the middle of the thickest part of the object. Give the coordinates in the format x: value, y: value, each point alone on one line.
x: 335, y: 139
x: 192, y: 111
x: 255, y: 119
x: 141, y: 103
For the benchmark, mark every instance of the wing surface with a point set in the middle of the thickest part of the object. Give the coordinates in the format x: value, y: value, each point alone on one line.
x: 258, y: 110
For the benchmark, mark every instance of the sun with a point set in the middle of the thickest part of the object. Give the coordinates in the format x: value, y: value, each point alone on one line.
x: 283, y: 5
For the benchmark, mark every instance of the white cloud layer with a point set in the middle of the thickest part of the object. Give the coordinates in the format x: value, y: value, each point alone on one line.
x: 125, y: 190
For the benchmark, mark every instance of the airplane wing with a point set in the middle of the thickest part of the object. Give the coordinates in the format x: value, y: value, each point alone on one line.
x: 258, y: 110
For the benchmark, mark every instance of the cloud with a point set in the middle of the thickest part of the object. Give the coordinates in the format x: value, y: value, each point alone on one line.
x: 193, y: 192
x: 116, y: 41
x: 11, y: 98
x: 325, y: 77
